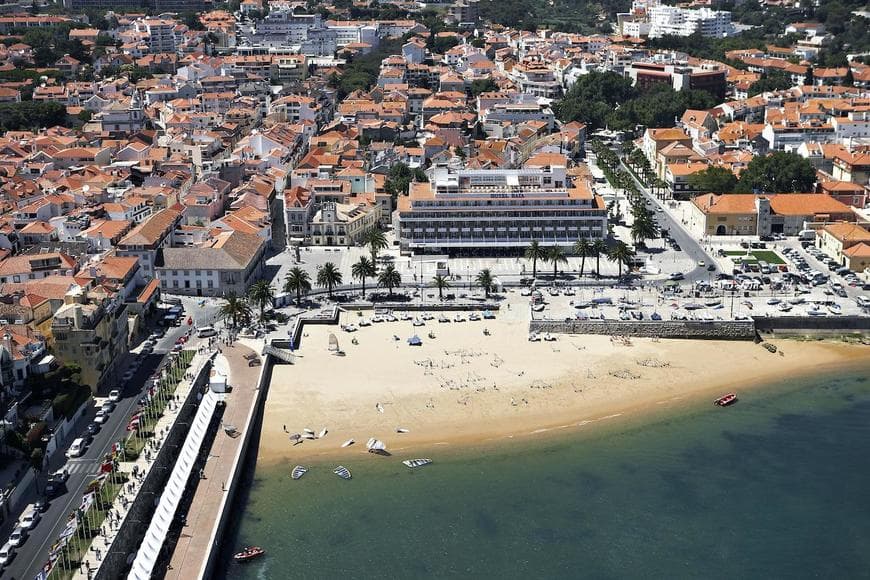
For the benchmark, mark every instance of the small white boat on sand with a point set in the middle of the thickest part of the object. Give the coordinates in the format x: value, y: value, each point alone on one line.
x: 348, y: 443
x: 376, y: 446
x: 298, y: 472
x: 322, y: 434
x: 415, y: 463
x: 310, y: 436
x: 418, y: 322
x: 342, y: 471
x: 401, y: 430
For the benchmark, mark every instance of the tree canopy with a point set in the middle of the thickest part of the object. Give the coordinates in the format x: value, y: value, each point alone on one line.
x: 713, y: 180
x: 778, y: 173
x: 31, y: 115
x: 772, y: 81
x: 608, y: 99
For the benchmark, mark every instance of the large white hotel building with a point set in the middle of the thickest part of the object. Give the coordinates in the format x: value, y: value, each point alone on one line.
x: 497, y: 211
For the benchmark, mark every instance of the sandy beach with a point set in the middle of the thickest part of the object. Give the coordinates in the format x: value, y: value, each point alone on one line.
x: 467, y: 387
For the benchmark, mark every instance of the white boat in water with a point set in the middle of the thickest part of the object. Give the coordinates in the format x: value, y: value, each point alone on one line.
x: 415, y: 463
x: 348, y: 443
x: 376, y: 446
x: 342, y: 471
x: 298, y: 472
x: 322, y: 434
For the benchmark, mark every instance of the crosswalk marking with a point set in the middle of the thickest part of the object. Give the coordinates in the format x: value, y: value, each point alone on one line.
x: 79, y: 467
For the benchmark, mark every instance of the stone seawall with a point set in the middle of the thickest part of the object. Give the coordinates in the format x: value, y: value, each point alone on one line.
x: 813, y: 325
x: 716, y: 330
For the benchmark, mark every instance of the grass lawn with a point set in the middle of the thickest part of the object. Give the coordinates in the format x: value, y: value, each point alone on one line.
x: 768, y: 256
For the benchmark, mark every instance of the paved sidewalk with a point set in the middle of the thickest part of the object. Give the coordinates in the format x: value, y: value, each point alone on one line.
x: 195, y: 540
x: 101, y: 544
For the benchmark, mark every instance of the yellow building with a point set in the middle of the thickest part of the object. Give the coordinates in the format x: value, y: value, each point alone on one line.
x: 848, y: 244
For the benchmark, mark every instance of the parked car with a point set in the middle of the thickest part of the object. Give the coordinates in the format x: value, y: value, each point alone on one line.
x: 7, y: 553
x: 18, y: 537
x: 77, y: 448
x: 29, y: 518
x: 114, y: 395
x: 92, y: 429
x: 101, y: 417
x: 107, y: 406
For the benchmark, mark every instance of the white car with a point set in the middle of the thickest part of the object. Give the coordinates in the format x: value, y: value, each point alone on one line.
x: 30, y: 517
x: 101, y: 417
x: 7, y: 552
x: 18, y: 536
x: 115, y: 395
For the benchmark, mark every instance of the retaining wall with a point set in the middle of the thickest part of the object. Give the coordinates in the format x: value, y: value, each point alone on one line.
x: 813, y: 325
x: 715, y: 330
x: 248, y: 433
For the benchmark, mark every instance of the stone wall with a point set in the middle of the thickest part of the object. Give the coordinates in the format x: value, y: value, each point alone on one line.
x: 813, y: 325
x: 716, y: 330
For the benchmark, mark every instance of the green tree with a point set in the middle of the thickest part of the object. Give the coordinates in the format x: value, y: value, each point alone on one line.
x: 486, y: 85
x: 713, y: 180
x: 769, y: 82
x: 362, y: 269
x: 534, y: 252
x: 261, y: 294
x: 235, y: 309
x: 28, y: 115
x: 779, y: 172
x: 643, y: 228
x: 328, y: 276
x: 298, y: 281
x: 582, y: 248
x: 442, y: 283
x: 376, y: 241
x: 593, y: 97
x: 556, y: 255
x: 621, y: 254
x: 389, y: 278
x: 485, y: 280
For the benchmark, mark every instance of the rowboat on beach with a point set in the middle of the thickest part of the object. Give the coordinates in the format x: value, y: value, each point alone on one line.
x: 726, y: 400
x: 348, y: 443
x: 342, y: 471
x: 298, y: 472
x: 415, y: 463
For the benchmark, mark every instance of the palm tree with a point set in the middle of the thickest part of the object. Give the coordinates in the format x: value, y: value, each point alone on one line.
x: 643, y: 228
x: 442, y: 283
x: 328, y: 276
x: 389, y: 278
x: 582, y: 248
x: 362, y: 269
x: 534, y: 253
x: 598, y: 248
x: 621, y: 254
x: 297, y: 281
x: 375, y: 239
x: 485, y: 280
x: 261, y: 294
x: 557, y: 256
x: 235, y: 309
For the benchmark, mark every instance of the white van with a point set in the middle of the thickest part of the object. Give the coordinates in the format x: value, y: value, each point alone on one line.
x: 77, y: 448
x: 206, y: 331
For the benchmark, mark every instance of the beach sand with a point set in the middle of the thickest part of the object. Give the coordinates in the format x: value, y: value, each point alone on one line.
x: 464, y: 387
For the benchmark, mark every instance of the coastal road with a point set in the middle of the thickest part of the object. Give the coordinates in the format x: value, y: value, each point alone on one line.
x: 680, y: 235
x: 31, y: 556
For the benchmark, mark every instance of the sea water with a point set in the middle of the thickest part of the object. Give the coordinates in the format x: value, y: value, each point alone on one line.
x: 776, y: 486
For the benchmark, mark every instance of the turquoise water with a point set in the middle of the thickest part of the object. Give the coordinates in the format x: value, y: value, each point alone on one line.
x: 776, y: 486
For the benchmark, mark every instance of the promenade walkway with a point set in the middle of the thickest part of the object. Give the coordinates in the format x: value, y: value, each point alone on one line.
x: 202, y: 518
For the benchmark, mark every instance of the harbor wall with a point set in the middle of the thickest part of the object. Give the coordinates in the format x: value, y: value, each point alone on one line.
x: 813, y: 325
x: 714, y: 330
x: 250, y: 432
